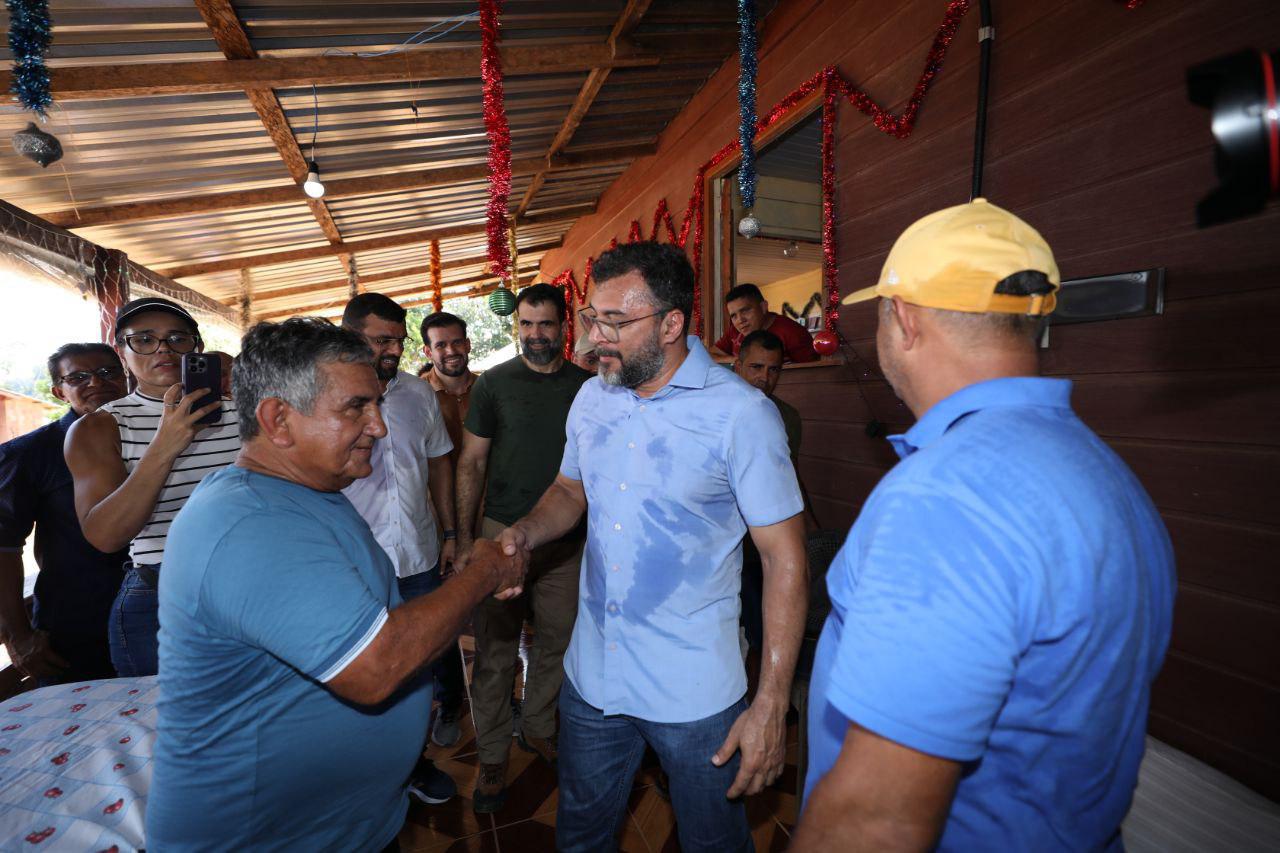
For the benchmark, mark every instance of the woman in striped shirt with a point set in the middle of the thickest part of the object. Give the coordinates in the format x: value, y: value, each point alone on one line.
x: 137, y: 460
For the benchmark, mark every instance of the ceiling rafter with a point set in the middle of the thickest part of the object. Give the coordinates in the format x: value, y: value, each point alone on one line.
x: 97, y: 82
x: 229, y: 34
x: 85, y: 217
x: 535, y: 249
x: 627, y: 21
x: 390, y: 241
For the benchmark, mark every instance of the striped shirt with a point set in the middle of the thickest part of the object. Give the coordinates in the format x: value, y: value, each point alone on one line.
x: 215, y: 446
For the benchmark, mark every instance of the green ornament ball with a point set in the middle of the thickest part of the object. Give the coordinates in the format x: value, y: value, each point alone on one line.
x: 502, y: 301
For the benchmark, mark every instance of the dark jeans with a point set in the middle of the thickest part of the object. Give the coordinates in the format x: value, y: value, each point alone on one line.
x: 448, y: 667
x: 134, y: 624
x: 598, y: 759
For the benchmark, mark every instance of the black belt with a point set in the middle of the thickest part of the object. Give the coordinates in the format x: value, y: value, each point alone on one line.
x: 149, y: 575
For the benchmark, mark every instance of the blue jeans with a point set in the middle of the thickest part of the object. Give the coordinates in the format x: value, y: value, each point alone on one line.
x: 447, y: 669
x: 133, y: 626
x: 599, y: 756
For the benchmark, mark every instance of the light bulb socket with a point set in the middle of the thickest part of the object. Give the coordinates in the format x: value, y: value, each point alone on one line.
x: 312, y: 186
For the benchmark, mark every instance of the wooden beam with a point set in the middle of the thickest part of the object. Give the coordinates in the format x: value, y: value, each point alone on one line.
x: 591, y: 87
x: 322, y: 306
x: 86, y: 217
x: 390, y: 241
x: 395, y: 274
x: 93, y: 82
x: 229, y: 34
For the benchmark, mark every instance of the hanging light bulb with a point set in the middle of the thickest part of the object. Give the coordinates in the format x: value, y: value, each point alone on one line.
x: 312, y: 186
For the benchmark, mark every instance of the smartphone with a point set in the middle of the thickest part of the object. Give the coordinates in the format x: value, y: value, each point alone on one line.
x: 203, y: 371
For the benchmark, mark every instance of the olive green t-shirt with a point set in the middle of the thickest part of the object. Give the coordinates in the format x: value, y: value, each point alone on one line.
x: 791, y: 422
x: 523, y: 413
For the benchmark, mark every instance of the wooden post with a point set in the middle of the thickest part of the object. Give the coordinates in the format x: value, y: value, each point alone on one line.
x: 353, y: 280
x: 110, y: 287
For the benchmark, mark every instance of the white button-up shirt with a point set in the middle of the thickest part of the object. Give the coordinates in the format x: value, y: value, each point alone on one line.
x: 393, y: 500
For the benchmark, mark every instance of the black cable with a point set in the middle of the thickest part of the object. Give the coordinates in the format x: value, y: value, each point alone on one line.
x: 986, y: 35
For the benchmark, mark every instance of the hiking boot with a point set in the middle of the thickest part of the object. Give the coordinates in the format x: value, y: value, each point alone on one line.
x: 491, y: 790
x: 446, y: 731
x: 430, y: 784
x: 545, y: 747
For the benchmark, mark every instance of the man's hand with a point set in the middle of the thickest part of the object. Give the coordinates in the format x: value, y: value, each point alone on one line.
x: 34, y: 657
x: 760, y: 733
x: 448, y: 552
x: 508, y: 571
x: 178, y: 427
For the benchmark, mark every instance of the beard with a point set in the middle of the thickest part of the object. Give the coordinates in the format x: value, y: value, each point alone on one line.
x: 385, y: 370
x: 637, y: 368
x: 549, y: 353
x: 459, y: 367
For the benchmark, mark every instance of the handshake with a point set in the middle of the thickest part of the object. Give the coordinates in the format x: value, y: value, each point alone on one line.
x: 506, y: 559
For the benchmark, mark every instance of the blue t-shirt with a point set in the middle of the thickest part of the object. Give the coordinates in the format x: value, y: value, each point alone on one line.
x: 1004, y: 601
x: 268, y: 590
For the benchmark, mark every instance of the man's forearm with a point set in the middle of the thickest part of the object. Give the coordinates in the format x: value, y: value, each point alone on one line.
x: 470, y: 487
x: 440, y: 484
x: 555, y: 514
x: 786, y: 603
x: 14, y: 623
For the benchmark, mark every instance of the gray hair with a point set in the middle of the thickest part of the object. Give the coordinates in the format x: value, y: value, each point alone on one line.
x: 283, y: 360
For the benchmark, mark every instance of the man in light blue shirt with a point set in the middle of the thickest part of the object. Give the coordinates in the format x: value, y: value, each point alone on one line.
x: 674, y: 459
x: 1004, y: 599
x: 288, y: 715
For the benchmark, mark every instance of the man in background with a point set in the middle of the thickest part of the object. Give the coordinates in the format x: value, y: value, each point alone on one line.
x: 291, y: 706
x: 412, y: 469
x: 759, y: 363
x: 513, y: 439
x: 749, y: 312
x: 1004, y: 599
x: 66, y: 637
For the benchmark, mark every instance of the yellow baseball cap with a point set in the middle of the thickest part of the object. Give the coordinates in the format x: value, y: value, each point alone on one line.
x: 953, y: 259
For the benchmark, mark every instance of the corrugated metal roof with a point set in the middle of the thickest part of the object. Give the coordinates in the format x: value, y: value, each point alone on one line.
x: 183, y: 147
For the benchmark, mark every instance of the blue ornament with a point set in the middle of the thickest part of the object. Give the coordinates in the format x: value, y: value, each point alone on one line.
x: 747, y: 62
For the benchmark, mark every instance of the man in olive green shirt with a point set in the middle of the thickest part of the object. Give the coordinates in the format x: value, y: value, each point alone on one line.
x: 512, y: 443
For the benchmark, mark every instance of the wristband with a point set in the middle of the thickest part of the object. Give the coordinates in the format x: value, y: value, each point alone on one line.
x: 450, y: 534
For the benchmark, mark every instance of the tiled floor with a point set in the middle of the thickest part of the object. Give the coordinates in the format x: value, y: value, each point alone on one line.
x: 526, y: 823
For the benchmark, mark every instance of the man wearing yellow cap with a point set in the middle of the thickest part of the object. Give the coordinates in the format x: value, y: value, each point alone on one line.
x: 1003, y: 602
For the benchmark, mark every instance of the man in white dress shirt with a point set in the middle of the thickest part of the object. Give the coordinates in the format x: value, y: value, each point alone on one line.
x: 412, y: 470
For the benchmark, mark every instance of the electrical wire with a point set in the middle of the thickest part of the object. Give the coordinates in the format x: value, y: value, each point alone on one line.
x: 411, y: 41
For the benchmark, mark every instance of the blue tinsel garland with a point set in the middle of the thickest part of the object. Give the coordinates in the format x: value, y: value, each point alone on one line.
x: 747, y: 101
x: 30, y: 33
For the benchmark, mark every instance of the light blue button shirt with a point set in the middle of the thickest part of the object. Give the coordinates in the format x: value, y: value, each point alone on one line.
x: 672, y: 482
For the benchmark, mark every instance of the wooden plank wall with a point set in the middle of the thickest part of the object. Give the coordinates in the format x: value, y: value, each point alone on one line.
x: 1092, y: 140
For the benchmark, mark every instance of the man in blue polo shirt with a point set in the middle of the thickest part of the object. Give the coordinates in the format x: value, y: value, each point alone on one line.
x: 1004, y: 600
x: 674, y: 459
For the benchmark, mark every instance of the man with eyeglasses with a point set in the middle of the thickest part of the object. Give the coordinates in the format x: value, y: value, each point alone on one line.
x: 513, y: 438
x: 412, y: 471
x: 66, y: 637
x: 672, y: 459
x: 136, y: 461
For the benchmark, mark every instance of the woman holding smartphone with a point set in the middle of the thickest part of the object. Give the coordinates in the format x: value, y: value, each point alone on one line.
x: 136, y: 461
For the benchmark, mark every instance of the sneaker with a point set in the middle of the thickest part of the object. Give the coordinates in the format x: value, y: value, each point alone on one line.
x: 430, y: 784
x: 491, y: 790
x: 545, y: 747
x: 446, y: 731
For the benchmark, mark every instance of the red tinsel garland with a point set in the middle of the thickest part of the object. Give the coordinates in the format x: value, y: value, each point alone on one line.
x: 833, y: 86
x: 495, y: 123
x: 437, y: 295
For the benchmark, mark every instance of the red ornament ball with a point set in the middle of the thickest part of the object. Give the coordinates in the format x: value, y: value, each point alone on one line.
x: 826, y: 342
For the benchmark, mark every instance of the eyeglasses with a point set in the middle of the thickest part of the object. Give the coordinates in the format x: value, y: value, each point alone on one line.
x: 82, y: 377
x: 146, y: 344
x: 611, y: 331
x: 386, y: 342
